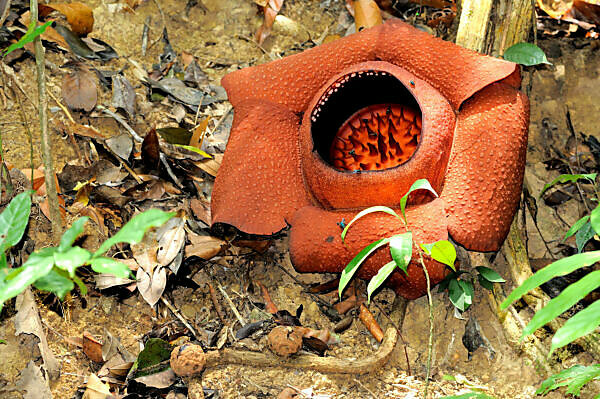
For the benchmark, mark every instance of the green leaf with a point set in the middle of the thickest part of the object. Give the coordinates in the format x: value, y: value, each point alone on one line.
x: 365, y: 212
x: 458, y: 296
x: 595, y: 219
x: 467, y: 288
x: 575, y: 377
x: 56, y: 283
x: 569, y: 297
x: 401, y: 250
x: 576, y: 226
x: 577, y: 326
x: 71, y: 259
x: 559, y: 268
x: 485, y: 283
x: 379, y: 278
x: 421, y: 184
x: 134, y: 230
x: 37, y: 266
x: 443, y: 251
x: 353, y: 265
x: 194, y: 149
x: 153, y: 358
x: 583, y: 236
x: 490, y: 274
x: 3, y: 261
x: 527, y: 54
x: 71, y: 235
x: 111, y: 266
x: 13, y: 220
x: 28, y: 37
x: 569, y: 178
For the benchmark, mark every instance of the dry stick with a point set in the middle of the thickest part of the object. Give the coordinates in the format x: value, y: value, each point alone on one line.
x: 312, y: 362
x: 51, y: 190
x: 69, y: 132
x: 139, y: 139
x: 180, y: 317
x: 216, y: 303
x: 232, y: 306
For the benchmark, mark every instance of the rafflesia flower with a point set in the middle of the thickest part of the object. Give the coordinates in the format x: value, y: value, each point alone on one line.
x: 320, y: 135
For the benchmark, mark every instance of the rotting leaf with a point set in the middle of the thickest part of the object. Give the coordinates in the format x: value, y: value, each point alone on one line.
x: 175, y: 135
x: 120, y: 145
x: 123, y: 95
x: 92, y: 347
x: 79, y: 89
x: 204, y: 247
x: 151, y: 151
x: 74, y: 42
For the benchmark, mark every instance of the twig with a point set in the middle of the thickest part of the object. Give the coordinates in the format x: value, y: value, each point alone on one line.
x: 51, y: 189
x: 232, y: 306
x: 216, y: 303
x: 180, y: 317
x: 246, y: 38
x: 365, y: 388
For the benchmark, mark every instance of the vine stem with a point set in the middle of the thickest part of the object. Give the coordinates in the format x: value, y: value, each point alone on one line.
x: 430, y: 343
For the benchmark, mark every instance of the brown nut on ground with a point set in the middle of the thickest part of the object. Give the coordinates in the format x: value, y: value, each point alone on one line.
x: 284, y: 340
x: 187, y: 360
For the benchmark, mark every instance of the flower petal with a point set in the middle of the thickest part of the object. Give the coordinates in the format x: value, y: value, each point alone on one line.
x: 259, y: 185
x: 486, y: 167
x: 316, y: 246
x: 292, y: 81
x: 456, y: 72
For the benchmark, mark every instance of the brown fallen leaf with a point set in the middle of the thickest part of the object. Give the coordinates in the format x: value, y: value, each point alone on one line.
x: 79, y: 89
x: 201, y: 210
x: 366, y: 14
x: 204, y: 247
x: 96, y: 389
x: 79, y: 15
x: 151, y: 150
x: 199, y: 132
x: 210, y: 166
x: 271, y: 9
x: 50, y: 34
x: 171, y: 237
x: 92, y: 347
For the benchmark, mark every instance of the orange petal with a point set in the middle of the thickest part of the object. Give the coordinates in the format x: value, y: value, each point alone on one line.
x: 259, y: 185
x: 486, y: 167
x: 292, y: 81
x: 316, y: 246
x: 456, y: 72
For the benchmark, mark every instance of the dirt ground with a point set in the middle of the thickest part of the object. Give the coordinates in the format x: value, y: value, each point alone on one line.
x: 221, y: 40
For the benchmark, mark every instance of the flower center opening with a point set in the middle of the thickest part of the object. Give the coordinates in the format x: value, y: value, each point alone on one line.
x: 366, y: 120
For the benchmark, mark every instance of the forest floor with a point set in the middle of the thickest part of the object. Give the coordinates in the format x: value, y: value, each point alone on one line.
x: 220, y: 39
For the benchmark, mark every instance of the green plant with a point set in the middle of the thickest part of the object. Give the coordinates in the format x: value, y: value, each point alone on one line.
x: 53, y: 269
x: 460, y: 287
x: 401, y: 246
x: 527, y: 54
x: 32, y: 32
x: 586, y: 320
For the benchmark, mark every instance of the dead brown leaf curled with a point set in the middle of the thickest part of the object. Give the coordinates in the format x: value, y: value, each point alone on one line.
x: 79, y: 89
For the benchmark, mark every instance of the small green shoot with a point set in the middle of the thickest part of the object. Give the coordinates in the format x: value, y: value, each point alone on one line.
x: 568, y: 178
x: 28, y: 37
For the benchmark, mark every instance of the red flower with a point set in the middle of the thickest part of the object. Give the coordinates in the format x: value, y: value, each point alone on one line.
x: 317, y: 136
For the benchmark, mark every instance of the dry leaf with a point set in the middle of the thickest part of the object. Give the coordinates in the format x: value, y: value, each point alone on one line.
x: 151, y: 286
x: 204, y: 247
x: 270, y: 11
x: 96, y: 389
x: 33, y: 384
x: 210, y: 166
x: 171, y: 237
x: 79, y: 88
x: 79, y: 15
x: 199, y: 132
x: 50, y: 34
x: 366, y: 14
x: 201, y: 210
x: 83, y: 130
x: 92, y: 347
x: 151, y: 150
